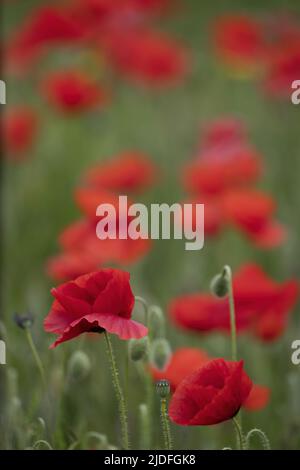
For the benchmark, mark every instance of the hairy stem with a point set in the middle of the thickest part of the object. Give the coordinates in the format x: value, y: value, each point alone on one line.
x: 119, y: 393
x: 165, y: 424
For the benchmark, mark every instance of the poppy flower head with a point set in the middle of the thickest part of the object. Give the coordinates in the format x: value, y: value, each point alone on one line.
x: 94, y: 302
x: 80, y: 240
x: 262, y: 306
x: 211, y: 395
x: 252, y: 212
x: 128, y: 172
x: 72, y: 91
x: 183, y: 362
x: 19, y: 129
x: 226, y: 133
x: 239, y: 42
x: 70, y: 265
x: 211, y: 176
x: 46, y: 26
x: 88, y: 199
x: 283, y: 68
x: 146, y: 57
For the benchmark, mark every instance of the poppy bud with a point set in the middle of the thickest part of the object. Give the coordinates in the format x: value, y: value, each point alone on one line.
x: 160, y: 353
x: 156, y: 322
x: 219, y: 284
x: 79, y: 366
x: 163, y: 388
x: 24, y: 320
x: 137, y: 349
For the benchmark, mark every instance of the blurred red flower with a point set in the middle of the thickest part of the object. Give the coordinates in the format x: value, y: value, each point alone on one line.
x: 94, y: 302
x: 46, y: 26
x: 130, y: 171
x: 207, y: 176
x: 211, y: 395
x: 145, y: 56
x: 19, y: 129
x: 183, y: 362
x: 70, y: 265
x: 258, y: 398
x: 83, y: 251
x: 88, y: 199
x: 283, y: 68
x: 252, y: 212
x: 239, y: 42
x: 72, y: 91
x: 262, y: 306
x: 222, y: 137
x: 221, y: 178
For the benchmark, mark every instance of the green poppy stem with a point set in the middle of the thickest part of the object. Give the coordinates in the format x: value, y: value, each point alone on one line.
x: 165, y: 424
x: 227, y: 272
x: 241, y: 439
x: 119, y: 393
x: 36, y: 357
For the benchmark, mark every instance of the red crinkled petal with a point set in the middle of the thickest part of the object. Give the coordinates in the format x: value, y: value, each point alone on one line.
x: 68, y: 298
x: 122, y: 327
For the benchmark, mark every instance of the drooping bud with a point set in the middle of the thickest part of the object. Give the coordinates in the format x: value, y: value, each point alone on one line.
x: 160, y: 353
x: 24, y: 320
x: 137, y: 349
x: 156, y: 322
x: 163, y: 388
x: 220, y: 284
x: 79, y: 366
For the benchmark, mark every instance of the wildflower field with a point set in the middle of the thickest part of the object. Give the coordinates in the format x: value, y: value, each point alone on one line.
x: 140, y: 343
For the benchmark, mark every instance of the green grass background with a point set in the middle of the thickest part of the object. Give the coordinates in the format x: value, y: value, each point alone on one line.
x: 38, y: 204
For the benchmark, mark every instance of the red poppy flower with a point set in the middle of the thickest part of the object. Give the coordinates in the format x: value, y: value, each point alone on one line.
x: 210, y: 177
x: 46, y: 26
x: 73, y: 91
x: 95, y: 302
x: 252, y: 212
x: 19, y: 129
x: 145, y: 56
x: 221, y: 136
x: 130, y: 171
x: 258, y: 398
x: 283, y: 68
x: 262, y: 306
x: 183, y: 362
x: 239, y: 42
x: 80, y: 238
x: 211, y: 395
x: 70, y: 265
x: 88, y: 199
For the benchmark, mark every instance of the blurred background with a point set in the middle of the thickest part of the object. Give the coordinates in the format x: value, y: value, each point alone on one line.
x: 152, y: 79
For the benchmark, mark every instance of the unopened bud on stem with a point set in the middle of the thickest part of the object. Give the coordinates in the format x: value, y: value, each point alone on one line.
x: 137, y: 349
x: 163, y: 388
x: 160, y: 353
x: 220, y: 283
